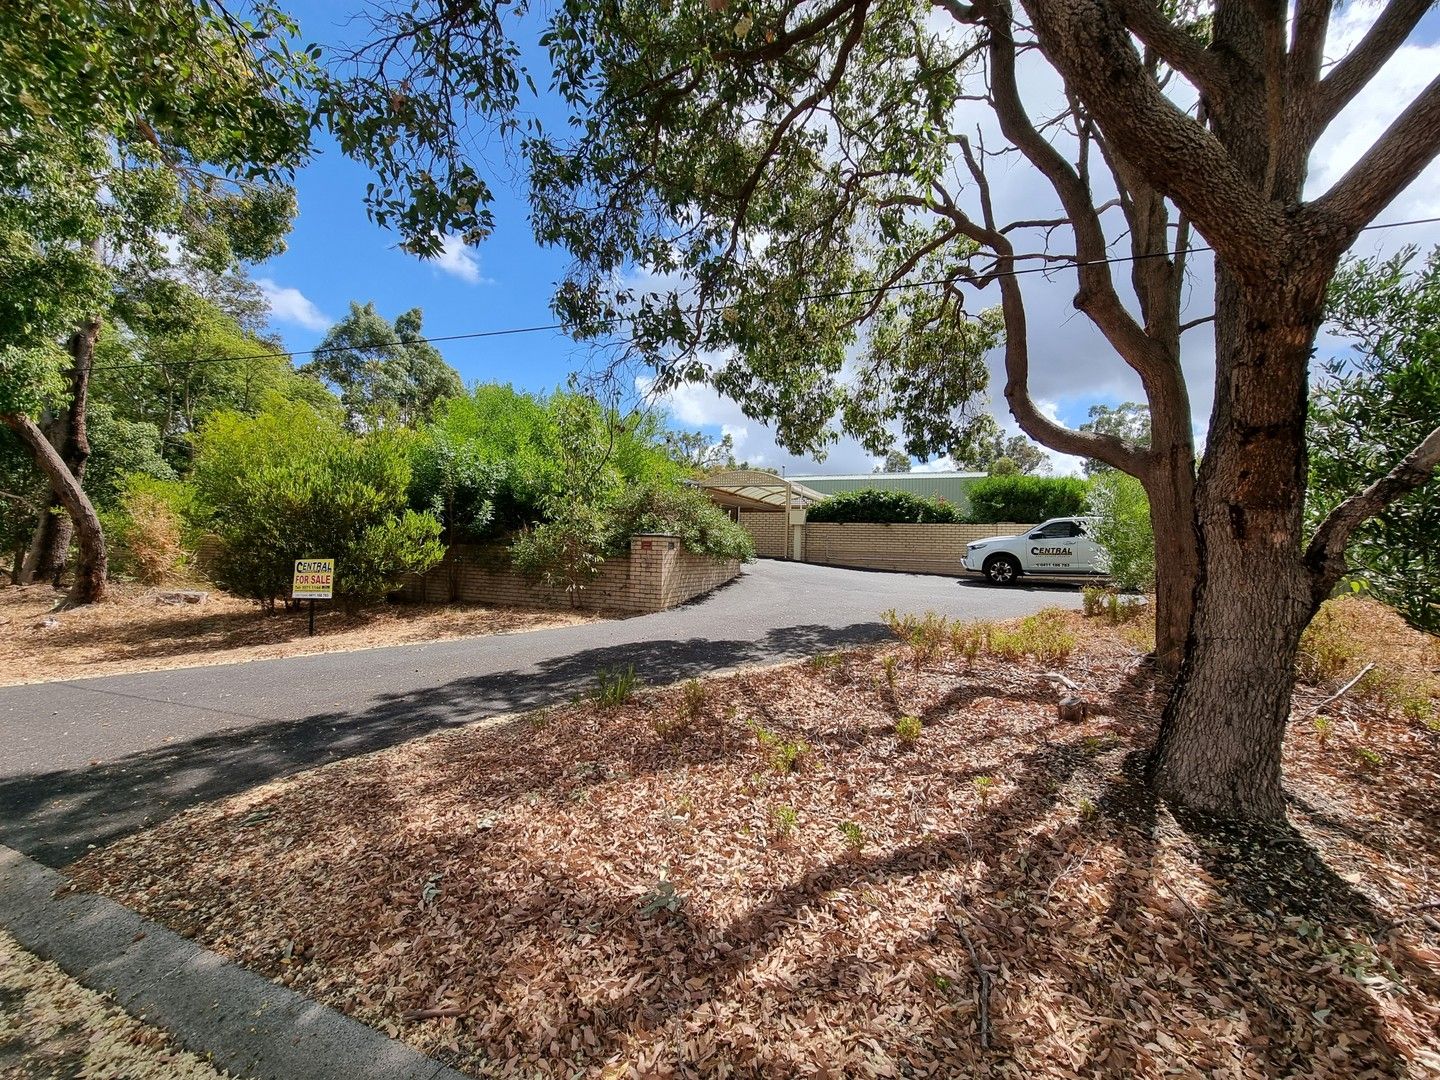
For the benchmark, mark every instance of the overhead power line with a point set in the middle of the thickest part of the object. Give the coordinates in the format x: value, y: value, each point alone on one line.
x: 835, y: 295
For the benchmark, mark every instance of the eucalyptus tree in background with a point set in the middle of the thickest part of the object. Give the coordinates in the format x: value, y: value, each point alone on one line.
x: 125, y: 128
x: 787, y: 175
x: 386, y: 374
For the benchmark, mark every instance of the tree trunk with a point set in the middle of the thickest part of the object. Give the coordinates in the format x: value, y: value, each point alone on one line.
x: 1177, y: 557
x: 49, y: 554
x: 1221, y: 734
x: 90, y: 570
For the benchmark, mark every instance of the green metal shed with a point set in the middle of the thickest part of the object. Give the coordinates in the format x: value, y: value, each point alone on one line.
x: 950, y: 486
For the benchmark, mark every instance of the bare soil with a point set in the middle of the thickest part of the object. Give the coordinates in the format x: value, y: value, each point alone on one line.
x: 757, y: 876
x: 135, y: 631
x: 51, y: 1026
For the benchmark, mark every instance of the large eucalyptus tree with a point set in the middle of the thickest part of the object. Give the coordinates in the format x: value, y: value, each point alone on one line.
x: 787, y: 199
x: 125, y: 129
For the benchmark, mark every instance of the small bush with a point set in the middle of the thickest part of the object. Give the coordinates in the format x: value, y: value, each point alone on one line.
x: 1324, y: 727
x: 783, y: 820
x: 888, y: 665
x: 1328, y: 650
x: 1025, y: 498
x: 1121, y: 509
x: 984, y: 785
x: 149, y: 537
x: 782, y: 755
x: 615, y: 688
x: 1042, y: 636
x: 877, y: 506
x: 657, y: 507
x: 968, y: 639
x: 908, y: 729
x: 853, y: 834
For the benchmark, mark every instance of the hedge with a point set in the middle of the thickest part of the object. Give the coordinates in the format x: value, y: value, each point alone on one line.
x: 1029, y: 499
x: 878, y: 506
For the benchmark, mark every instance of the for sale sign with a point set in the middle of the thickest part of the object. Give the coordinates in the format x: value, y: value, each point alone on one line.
x: 314, y: 579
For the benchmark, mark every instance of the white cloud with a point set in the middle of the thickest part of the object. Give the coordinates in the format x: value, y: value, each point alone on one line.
x: 459, y: 260
x: 289, y: 305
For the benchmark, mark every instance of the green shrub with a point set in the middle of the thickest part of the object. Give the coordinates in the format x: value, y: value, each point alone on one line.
x: 615, y: 688
x: 1029, y: 499
x: 1042, y: 636
x: 291, y: 484
x: 883, y: 507
x: 1121, y: 509
x: 657, y: 507
x: 908, y: 729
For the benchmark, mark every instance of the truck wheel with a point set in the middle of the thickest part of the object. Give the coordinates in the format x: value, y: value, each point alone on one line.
x: 1002, y: 569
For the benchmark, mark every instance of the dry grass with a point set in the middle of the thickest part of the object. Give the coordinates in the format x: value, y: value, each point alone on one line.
x: 51, y: 1026
x: 133, y: 631
x: 607, y: 893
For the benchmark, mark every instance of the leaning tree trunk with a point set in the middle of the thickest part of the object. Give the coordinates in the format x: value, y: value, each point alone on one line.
x: 49, y: 555
x: 91, y: 568
x: 1222, y: 730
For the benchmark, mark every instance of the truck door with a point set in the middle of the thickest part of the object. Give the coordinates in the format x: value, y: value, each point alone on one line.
x: 1053, y: 548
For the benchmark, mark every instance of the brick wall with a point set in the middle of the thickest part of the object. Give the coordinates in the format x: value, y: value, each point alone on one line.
x: 916, y: 549
x: 658, y: 574
x: 768, y: 529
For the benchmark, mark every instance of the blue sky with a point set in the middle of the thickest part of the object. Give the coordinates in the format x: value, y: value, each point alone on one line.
x: 337, y: 255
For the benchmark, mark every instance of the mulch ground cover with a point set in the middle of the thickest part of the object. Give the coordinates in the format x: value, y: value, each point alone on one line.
x: 891, y: 862
x: 136, y: 630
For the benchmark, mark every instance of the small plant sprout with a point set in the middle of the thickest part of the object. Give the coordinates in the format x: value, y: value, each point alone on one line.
x: 1088, y: 810
x: 854, y: 835
x: 1369, y: 758
x: 984, y: 785
x: 662, y: 898
x: 783, y: 755
x: 616, y: 688
x: 825, y: 661
x: 693, y: 699
x: 1324, y: 727
x: 889, y: 665
x: 907, y: 729
x: 783, y: 820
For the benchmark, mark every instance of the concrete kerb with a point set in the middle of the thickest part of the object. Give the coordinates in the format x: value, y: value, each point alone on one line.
x: 241, y: 1021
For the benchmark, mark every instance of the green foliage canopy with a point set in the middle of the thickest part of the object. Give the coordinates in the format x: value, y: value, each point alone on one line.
x: 1369, y: 410
x: 291, y: 483
x: 387, y: 374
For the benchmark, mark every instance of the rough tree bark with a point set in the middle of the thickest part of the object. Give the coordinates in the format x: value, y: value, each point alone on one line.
x: 48, y: 556
x: 1240, y: 179
x: 91, y: 567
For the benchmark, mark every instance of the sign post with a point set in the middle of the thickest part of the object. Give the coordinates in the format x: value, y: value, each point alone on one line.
x: 314, y: 580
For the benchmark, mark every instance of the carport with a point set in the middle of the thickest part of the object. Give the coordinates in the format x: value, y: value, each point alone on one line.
x: 751, y: 492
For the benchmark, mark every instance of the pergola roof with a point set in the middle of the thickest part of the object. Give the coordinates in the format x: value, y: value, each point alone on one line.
x: 751, y: 489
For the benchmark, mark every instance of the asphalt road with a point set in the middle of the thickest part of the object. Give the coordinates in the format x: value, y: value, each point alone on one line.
x: 86, y: 761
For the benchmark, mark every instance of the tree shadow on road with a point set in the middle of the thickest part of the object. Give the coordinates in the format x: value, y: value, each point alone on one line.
x: 55, y: 817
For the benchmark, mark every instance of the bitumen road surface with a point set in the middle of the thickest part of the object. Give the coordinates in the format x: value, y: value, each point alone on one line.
x: 86, y: 761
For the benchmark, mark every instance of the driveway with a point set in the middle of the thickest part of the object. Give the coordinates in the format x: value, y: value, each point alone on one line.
x: 86, y: 761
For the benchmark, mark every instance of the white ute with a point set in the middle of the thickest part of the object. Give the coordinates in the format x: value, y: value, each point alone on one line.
x: 1057, y: 548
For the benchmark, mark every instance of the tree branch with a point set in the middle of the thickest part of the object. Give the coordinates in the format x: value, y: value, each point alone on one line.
x: 1387, y: 168
x: 1325, y: 556
x: 1091, y: 48
x: 1361, y: 64
x: 1096, y: 296
x: 1173, y: 45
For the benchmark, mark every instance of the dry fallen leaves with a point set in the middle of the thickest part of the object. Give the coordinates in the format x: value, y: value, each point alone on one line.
x: 134, y: 631
x: 488, y: 895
